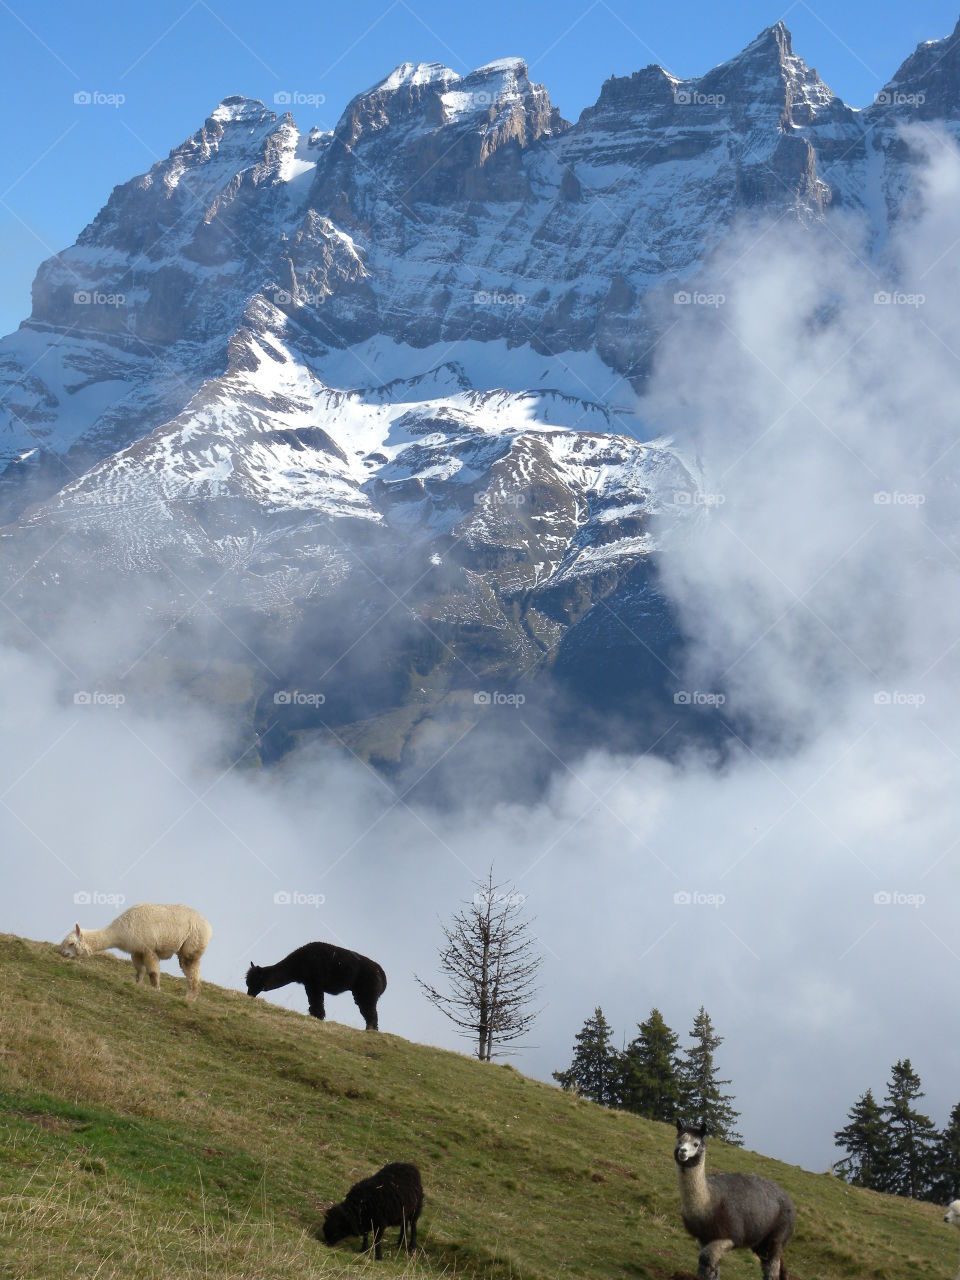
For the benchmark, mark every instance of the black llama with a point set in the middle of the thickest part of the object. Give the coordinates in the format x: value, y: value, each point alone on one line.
x: 391, y: 1198
x: 324, y: 969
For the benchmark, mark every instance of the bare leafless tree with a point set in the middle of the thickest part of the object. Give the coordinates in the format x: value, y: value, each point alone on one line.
x: 490, y: 962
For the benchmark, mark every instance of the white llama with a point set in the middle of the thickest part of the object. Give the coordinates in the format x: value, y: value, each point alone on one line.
x: 149, y: 933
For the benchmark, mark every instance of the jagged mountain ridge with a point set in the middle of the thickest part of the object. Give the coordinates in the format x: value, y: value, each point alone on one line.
x: 405, y: 356
x: 431, y: 190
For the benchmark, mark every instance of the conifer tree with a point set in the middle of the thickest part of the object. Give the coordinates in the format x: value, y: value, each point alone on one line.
x: 946, y: 1161
x: 866, y: 1141
x: 701, y: 1091
x: 593, y: 1071
x: 650, y: 1071
x: 912, y: 1135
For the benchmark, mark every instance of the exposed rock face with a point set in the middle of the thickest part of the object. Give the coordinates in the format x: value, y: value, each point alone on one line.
x: 128, y: 323
x: 440, y: 208
x: 926, y: 86
x: 444, y: 137
x: 409, y: 351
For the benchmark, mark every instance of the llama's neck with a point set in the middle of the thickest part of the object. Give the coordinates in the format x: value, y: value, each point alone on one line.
x: 272, y: 976
x: 98, y: 939
x: 694, y: 1189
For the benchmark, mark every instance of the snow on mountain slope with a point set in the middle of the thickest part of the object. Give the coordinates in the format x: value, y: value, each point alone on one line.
x: 270, y: 448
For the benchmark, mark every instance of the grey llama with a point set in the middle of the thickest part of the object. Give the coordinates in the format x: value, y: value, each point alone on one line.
x: 730, y: 1210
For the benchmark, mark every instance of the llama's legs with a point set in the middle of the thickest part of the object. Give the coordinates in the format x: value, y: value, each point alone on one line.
x: 365, y: 1242
x: 771, y: 1268
x: 315, y: 999
x: 378, y: 1243
x: 191, y: 971
x: 408, y: 1234
x: 368, y: 1007
x: 138, y: 964
x: 153, y: 969
x: 710, y: 1259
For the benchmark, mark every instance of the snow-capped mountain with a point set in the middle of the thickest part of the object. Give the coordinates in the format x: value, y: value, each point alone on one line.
x: 266, y: 458
x: 406, y: 357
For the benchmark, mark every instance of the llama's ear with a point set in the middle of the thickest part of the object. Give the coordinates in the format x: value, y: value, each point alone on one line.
x: 679, y: 1126
x: 78, y: 930
x: 703, y: 1129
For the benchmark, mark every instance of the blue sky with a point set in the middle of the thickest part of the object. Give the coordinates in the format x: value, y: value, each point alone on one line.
x: 173, y: 60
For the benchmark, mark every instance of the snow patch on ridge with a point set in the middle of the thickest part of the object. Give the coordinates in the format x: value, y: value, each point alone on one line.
x: 414, y: 73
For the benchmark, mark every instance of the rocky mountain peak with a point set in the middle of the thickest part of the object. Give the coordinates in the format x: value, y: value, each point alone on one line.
x: 767, y: 75
x: 766, y: 83
x: 433, y: 135
x: 426, y: 96
x: 773, y: 42
x: 927, y: 85
x: 650, y: 87
x: 234, y: 137
x: 237, y: 109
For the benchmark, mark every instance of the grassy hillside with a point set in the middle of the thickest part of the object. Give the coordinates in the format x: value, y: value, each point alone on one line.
x: 144, y: 1137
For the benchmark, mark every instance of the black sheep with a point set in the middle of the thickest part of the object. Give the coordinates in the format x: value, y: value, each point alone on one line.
x: 391, y: 1198
x: 323, y: 969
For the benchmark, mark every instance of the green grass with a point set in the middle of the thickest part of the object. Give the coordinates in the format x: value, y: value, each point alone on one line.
x: 144, y: 1137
